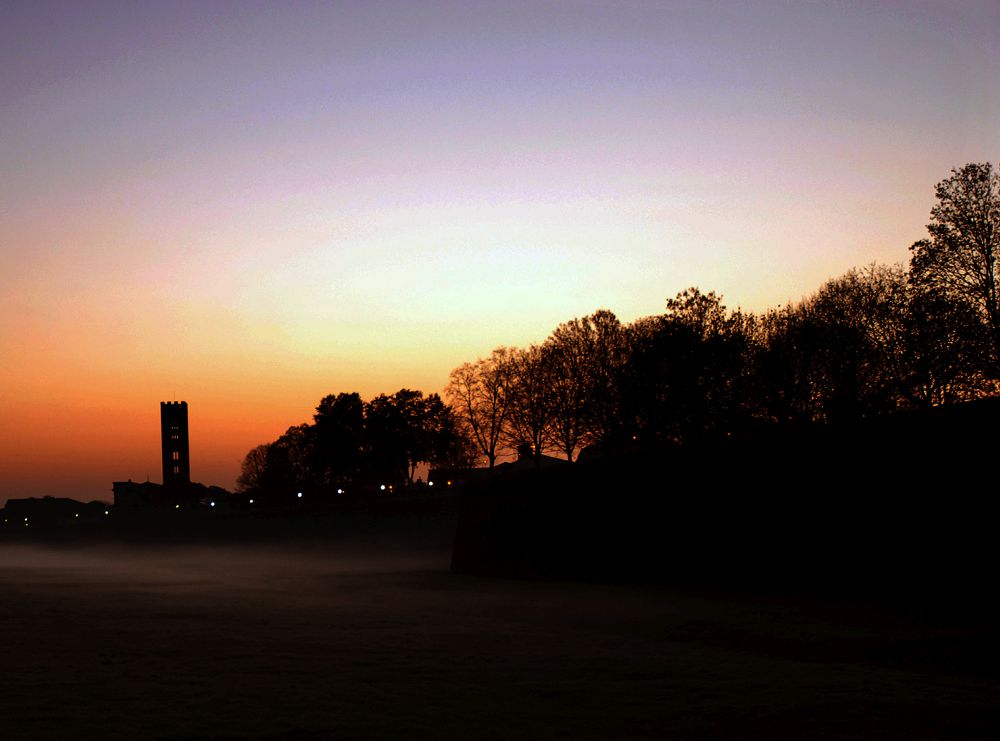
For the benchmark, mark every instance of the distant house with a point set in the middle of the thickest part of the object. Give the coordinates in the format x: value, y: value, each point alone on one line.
x: 528, y: 462
x: 524, y: 462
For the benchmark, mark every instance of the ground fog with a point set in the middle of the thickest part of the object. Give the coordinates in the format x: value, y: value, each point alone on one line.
x: 363, y: 640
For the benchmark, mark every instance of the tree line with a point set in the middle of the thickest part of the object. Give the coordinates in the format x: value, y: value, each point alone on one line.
x: 352, y: 445
x: 873, y: 341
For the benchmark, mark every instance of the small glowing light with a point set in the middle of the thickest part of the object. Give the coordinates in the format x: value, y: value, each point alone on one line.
x: 106, y: 512
x: 340, y: 491
x: 177, y: 506
x: 251, y: 501
x: 430, y: 483
x: 299, y: 495
x: 25, y: 519
x: 382, y: 487
x: 76, y: 515
x: 449, y: 483
x: 211, y: 504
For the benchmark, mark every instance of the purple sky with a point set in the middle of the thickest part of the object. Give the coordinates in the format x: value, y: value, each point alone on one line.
x: 250, y: 205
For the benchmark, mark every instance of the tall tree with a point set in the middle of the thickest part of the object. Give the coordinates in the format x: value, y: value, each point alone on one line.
x: 569, y: 420
x: 531, y: 399
x: 853, y: 381
x: 480, y: 395
x: 445, y: 445
x: 405, y: 430
x: 388, y: 435
x: 929, y: 345
x: 590, y: 355
x: 960, y: 258
x: 688, y: 368
x: 339, y: 439
x: 784, y: 368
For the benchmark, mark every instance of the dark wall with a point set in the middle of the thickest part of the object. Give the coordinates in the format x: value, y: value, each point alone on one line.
x: 890, y: 505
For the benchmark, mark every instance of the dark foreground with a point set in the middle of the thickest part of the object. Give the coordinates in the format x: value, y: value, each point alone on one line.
x: 362, y: 639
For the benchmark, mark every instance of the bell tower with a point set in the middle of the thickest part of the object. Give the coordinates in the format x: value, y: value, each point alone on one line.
x: 174, y: 440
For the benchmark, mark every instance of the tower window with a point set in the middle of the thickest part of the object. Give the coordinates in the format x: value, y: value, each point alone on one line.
x: 177, y: 469
x: 176, y: 455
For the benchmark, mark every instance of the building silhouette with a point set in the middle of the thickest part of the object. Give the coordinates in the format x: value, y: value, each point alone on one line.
x: 174, y: 442
x: 177, y: 490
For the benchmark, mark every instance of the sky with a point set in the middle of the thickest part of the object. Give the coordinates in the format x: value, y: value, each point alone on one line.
x: 250, y: 205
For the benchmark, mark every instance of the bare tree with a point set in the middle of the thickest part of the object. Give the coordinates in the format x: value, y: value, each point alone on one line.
x: 569, y: 418
x: 531, y: 399
x: 480, y: 394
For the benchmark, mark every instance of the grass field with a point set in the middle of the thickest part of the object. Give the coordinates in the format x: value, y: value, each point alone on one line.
x: 364, y: 638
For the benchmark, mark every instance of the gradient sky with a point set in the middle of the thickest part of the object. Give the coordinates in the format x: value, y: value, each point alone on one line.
x: 251, y: 205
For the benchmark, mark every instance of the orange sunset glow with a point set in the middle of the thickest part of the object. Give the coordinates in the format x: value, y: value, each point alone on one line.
x: 249, y: 210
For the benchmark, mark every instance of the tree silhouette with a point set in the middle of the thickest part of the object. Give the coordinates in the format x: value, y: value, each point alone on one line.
x: 352, y: 444
x: 290, y: 457
x: 339, y: 439
x: 530, y: 411
x: 480, y: 395
x: 866, y: 343
x: 783, y: 371
x: 943, y: 351
x: 402, y: 431
x: 959, y: 260
x: 850, y: 379
x: 269, y: 466
x: 569, y: 420
x: 687, y: 369
x: 253, y: 470
x: 590, y: 355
